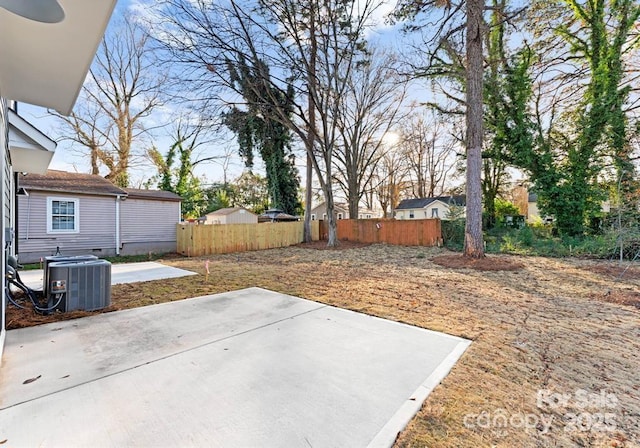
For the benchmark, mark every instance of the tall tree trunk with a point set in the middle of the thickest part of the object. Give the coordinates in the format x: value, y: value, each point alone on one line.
x: 331, y: 217
x: 473, y: 241
x: 310, y: 141
x: 308, y: 196
x: 354, y: 197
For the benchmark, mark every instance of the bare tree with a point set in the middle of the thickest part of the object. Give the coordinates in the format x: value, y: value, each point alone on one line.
x: 309, y: 141
x: 391, y: 180
x: 372, y: 105
x: 312, y: 47
x: 123, y: 87
x: 430, y: 153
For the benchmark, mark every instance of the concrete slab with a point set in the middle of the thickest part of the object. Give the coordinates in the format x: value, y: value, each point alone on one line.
x: 245, y: 368
x: 120, y: 273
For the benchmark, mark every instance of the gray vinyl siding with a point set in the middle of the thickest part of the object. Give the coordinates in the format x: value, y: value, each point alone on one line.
x: 96, y: 227
x: 242, y: 218
x: 6, y: 173
x: 148, y: 225
x: 238, y: 217
x: 4, y: 139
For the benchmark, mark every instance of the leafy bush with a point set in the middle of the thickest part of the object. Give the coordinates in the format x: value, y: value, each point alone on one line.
x: 532, y: 240
x: 525, y: 235
x: 453, y: 233
x: 539, y: 240
x: 505, y: 208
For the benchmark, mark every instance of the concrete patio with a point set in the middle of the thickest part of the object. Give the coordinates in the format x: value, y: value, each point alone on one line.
x: 239, y: 369
x: 120, y: 273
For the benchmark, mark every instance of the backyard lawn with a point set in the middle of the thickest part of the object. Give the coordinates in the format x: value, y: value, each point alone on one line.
x: 555, y: 359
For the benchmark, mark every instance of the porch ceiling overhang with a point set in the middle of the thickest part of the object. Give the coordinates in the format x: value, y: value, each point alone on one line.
x: 31, y: 151
x: 45, y: 64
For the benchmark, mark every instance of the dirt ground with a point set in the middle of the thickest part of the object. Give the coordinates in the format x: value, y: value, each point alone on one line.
x: 555, y: 358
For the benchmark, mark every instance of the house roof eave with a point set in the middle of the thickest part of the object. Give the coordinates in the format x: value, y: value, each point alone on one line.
x: 31, y: 151
x: 70, y: 191
x: 46, y: 64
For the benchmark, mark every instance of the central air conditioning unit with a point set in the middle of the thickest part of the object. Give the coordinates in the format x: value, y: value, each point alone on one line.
x: 79, y: 285
x: 56, y: 259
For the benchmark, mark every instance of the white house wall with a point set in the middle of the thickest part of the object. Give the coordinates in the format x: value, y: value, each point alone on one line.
x: 239, y: 217
x: 443, y: 210
x: 148, y: 226
x: 320, y: 212
x: 533, y: 214
x: 426, y: 212
x: 96, y: 228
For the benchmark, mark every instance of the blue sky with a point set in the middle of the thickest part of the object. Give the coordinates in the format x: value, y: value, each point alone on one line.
x: 70, y: 158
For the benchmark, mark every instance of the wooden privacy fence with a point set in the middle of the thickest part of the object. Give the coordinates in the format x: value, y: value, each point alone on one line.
x: 414, y: 232
x: 195, y: 240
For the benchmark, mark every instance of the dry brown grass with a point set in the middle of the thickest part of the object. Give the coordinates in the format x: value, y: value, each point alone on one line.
x: 550, y: 325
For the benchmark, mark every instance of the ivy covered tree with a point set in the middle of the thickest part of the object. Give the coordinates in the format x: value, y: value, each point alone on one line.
x: 258, y: 130
x: 500, y: 123
x: 175, y: 171
x: 312, y: 46
x: 567, y: 160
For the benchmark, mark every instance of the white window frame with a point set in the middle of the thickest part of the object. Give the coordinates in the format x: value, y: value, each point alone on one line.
x: 435, y: 213
x: 411, y: 214
x: 313, y: 216
x: 76, y: 214
x: 339, y: 215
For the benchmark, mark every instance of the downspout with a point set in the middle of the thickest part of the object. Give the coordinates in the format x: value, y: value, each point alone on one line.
x: 14, y: 215
x: 118, y: 199
x: 28, y: 216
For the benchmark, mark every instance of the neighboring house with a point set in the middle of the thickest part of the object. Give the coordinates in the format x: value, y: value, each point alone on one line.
x: 533, y: 214
x: 527, y: 204
x: 428, y: 208
x: 365, y: 213
x: 341, y: 211
x: 519, y: 196
x: 43, y: 64
x: 148, y: 221
x: 86, y: 214
x: 232, y: 215
x: 275, y: 215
